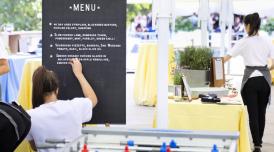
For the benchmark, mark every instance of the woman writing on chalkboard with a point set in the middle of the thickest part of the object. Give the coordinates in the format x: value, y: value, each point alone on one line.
x: 57, y: 119
x: 256, y: 84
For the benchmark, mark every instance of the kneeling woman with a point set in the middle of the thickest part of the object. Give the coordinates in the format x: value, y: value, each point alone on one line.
x: 57, y: 119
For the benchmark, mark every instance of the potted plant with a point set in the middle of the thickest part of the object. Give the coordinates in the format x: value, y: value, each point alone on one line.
x: 176, y: 89
x: 195, y: 64
x: 178, y: 83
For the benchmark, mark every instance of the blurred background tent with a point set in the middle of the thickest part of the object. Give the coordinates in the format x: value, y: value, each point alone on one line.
x: 186, y: 7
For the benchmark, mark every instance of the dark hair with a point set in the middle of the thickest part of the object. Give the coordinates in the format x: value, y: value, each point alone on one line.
x: 138, y: 26
x: 254, y: 22
x: 44, y: 83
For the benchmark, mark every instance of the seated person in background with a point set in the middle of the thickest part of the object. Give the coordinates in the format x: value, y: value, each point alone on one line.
x: 57, y: 119
x: 238, y: 28
x: 214, y: 23
x: 139, y: 28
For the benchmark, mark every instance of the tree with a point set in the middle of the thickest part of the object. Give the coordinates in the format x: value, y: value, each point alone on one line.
x: 134, y: 9
x: 23, y: 14
x: 184, y: 24
x: 269, y: 26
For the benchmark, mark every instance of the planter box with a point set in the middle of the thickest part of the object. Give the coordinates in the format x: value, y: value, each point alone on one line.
x: 197, y: 78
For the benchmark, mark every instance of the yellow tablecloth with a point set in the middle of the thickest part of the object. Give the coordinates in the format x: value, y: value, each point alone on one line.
x: 145, y: 85
x: 272, y: 75
x: 272, y: 71
x: 25, y: 91
x: 198, y: 116
x: 25, y: 94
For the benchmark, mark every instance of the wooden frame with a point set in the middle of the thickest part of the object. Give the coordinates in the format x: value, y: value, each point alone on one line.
x: 187, y: 88
x: 217, y: 72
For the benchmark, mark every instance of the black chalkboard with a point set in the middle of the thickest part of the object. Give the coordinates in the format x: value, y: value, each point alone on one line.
x: 95, y: 32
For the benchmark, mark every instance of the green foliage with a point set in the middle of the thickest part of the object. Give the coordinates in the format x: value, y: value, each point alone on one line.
x: 178, y: 78
x: 196, y: 58
x: 269, y: 26
x: 24, y: 14
x: 134, y: 9
x: 183, y: 24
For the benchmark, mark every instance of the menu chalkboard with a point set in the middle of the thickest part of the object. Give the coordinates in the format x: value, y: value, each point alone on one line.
x: 94, y: 31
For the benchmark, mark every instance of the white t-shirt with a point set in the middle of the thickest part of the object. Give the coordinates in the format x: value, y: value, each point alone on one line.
x: 59, y: 120
x: 255, y: 50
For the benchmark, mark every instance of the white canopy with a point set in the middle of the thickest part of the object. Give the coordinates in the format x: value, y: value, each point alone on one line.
x: 187, y: 7
x: 243, y: 7
x: 138, y: 1
x: 263, y: 7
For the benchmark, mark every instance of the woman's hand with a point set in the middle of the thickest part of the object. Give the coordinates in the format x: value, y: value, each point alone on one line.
x: 4, y: 66
x: 270, y: 64
x: 227, y: 58
x: 76, y: 67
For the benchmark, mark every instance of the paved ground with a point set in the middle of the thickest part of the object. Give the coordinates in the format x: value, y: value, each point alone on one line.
x: 137, y: 116
x: 268, y: 139
x: 142, y: 117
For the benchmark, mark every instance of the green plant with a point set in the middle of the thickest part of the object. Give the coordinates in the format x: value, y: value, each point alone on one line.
x: 269, y: 26
x: 183, y: 24
x: 195, y: 58
x: 134, y: 9
x: 23, y: 14
x: 178, y: 78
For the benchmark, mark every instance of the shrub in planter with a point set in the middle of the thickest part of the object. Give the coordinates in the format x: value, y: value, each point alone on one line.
x: 195, y: 65
x: 196, y: 58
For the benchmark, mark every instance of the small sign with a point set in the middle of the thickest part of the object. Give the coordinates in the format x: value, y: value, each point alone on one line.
x: 217, y: 72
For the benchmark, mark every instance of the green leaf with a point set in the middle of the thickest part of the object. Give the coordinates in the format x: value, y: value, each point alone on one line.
x: 178, y: 78
x: 195, y: 58
x: 183, y: 24
x: 135, y: 9
x: 24, y: 14
x: 269, y: 26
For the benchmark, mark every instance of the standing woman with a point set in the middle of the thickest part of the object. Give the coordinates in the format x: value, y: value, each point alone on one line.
x: 256, y: 83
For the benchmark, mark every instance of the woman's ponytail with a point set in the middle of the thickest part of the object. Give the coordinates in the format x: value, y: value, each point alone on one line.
x: 44, y: 83
x: 254, y: 22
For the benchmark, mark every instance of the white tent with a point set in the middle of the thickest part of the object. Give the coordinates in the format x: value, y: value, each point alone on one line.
x: 203, y: 15
x: 187, y: 7
x: 138, y: 1
x: 226, y: 8
x: 263, y: 7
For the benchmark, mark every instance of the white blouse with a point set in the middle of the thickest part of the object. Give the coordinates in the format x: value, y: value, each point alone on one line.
x: 255, y: 50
